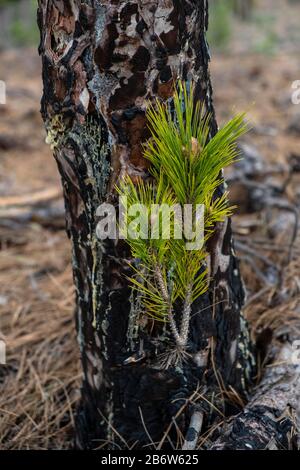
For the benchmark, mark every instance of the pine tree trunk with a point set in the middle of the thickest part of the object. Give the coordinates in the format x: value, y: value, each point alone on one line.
x: 103, y: 61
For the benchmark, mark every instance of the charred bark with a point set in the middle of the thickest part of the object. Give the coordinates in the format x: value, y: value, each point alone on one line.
x: 103, y: 61
x: 271, y: 418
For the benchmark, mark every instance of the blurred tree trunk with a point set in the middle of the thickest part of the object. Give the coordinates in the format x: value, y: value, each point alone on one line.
x: 243, y: 8
x: 102, y: 62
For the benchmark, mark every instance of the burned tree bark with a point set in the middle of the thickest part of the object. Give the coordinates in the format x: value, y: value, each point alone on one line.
x: 271, y: 418
x: 103, y: 61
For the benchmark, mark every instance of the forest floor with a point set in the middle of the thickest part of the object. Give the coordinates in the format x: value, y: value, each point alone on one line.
x: 39, y: 386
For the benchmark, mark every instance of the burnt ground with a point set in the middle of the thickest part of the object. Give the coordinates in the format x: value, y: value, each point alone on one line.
x: 39, y: 386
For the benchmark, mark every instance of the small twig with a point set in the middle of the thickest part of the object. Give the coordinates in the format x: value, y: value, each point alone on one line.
x: 206, y: 435
x: 257, y: 295
x: 193, y: 432
x: 166, y: 433
x: 261, y: 276
x: 180, y: 437
x: 266, y: 245
x: 113, y: 428
x: 145, y: 428
x: 38, y: 197
x: 210, y: 403
x: 246, y: 249
x: 286, y: 206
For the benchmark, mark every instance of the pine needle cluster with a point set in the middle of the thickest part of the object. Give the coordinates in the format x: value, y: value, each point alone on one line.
x: 186, y: 167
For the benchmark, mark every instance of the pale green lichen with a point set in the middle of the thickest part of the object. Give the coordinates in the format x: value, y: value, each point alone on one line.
x: 101, y: 11
x: 95, y: 153
x: 93, y: 147
x: 134, y: 315
x: 56, y: 129
x: 102, y: 85
x: 97, y: 277
x: 105, y: 325
x: 98, y: 153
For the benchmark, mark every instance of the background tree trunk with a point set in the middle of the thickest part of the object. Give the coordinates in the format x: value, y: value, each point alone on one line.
x: 244, y: 8
x: 102, y: 62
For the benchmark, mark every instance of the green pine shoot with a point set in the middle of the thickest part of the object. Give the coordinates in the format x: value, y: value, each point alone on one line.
x: 187, y: 169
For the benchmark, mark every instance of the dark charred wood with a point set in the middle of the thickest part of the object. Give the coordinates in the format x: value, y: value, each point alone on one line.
x: 102, y: 63
x: 271, y: 418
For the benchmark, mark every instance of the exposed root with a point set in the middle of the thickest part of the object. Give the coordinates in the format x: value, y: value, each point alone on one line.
x: 172, y: 358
